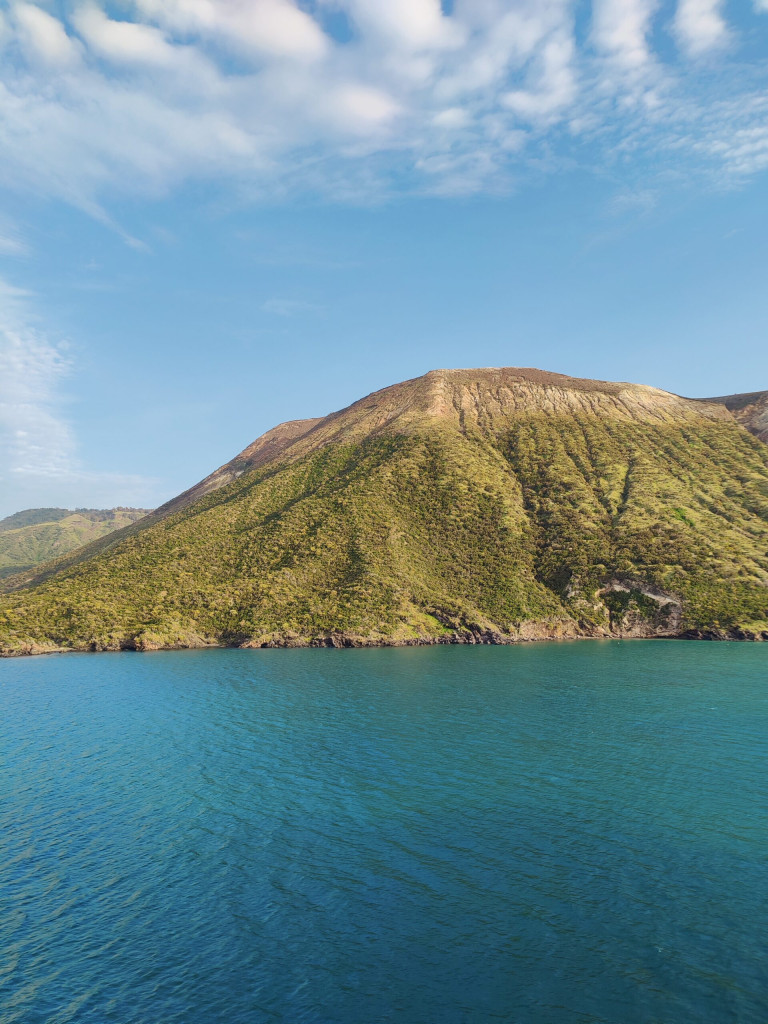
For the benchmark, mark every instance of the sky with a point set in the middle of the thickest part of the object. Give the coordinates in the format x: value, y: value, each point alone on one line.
x: 216, y: 215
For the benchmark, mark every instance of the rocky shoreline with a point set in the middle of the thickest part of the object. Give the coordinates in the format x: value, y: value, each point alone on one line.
x: 346, y: 641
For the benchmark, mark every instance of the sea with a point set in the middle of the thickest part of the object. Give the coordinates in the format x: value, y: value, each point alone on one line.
x: 539, y: 834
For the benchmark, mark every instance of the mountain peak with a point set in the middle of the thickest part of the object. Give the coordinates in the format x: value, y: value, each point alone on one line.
x: 489, y: 397
x: 473, y: 399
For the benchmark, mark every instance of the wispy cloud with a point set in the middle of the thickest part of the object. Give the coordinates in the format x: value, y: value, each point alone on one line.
x: 11, y: 245
x: 408, y: 97
x: 38, y: 449
x: 36, y: 439
x: 289, y: 307
x: 12, y: 242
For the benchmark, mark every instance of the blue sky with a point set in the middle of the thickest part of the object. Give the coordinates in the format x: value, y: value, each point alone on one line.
x: 217, y: 214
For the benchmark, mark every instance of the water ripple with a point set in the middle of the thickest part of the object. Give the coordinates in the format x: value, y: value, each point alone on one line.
x: 534, y: 835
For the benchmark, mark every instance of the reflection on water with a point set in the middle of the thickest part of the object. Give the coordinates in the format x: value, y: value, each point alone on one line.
x: 549, y: 833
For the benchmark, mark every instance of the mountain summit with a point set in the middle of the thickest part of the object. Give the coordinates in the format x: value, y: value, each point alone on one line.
x: 488, y: 505
x: 466, y: 398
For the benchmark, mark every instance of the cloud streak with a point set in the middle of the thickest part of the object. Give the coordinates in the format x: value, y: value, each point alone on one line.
x: 38, y: 448
x: 357, y: 98
x: 35, y: 439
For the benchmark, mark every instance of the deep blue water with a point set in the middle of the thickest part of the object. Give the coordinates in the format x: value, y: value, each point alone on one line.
x: 547, y: 833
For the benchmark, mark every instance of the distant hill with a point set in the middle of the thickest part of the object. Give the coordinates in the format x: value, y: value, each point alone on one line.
x: 464, y: 506
x: 34, y: 516
x: 37, y: 535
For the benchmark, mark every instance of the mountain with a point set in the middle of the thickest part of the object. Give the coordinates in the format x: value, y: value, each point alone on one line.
x: 487, y: 505
x: 38, y: 535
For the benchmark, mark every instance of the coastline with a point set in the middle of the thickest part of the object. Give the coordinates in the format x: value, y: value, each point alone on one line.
x: 346, y: 641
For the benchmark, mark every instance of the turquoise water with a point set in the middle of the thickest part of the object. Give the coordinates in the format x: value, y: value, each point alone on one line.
x: 549, y: 833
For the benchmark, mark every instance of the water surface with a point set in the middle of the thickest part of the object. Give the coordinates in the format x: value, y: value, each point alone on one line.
x: 547, y: 833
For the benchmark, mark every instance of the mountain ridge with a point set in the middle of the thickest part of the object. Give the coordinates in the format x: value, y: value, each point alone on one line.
x: 285, y: 435
x: 488, y: 505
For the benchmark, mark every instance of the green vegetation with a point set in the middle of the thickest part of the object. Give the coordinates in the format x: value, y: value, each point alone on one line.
x: 528, y: 526
x: 29, y: 538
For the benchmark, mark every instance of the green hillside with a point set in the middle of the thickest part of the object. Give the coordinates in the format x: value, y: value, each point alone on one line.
x: 488, y: 505
x: 34, y: 516
x: 37, y: 535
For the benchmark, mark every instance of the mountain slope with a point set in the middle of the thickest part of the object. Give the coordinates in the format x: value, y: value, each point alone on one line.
x: 750, y: 410
x: 264, y: 449
x: 464, y: 505
x: 37, y: 535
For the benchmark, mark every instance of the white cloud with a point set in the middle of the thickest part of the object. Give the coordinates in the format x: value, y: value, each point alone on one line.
x: 699, y: 25
x: 124, y: 41
x: 746, y: 150
x: 451, y: 117
x: 254, y: 27
x: 42, y: 36
x: 258, y: 93
x: 360, y: 107
x: 408, y: 24
x: 621, y: 28
x: 552, y: 83
x: 502, y: 39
